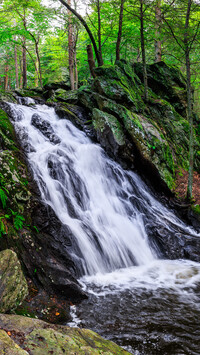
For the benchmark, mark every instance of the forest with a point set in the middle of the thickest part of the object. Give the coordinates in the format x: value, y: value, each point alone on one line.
x: 48, y: 41
x: 99, y: 177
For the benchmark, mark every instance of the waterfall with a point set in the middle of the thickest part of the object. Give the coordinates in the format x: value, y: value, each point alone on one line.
x: 116, y: 229
x: 107, y: 210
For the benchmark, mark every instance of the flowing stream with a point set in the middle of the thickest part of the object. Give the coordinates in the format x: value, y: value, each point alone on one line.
x: 145, y: 303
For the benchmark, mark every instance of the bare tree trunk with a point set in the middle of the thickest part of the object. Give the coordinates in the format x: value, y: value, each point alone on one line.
x: 119, y: 37
x: 16, y: 69
x: 81, y: 19
x: 70, y: 47
x: 6, y: 77
x: 24, y: 64
x: 21, y: 70
x: 38, y: 60
x: 91, y: 61
x: 36, y: 73
x: 189, y: 102
x: 143, y: 50
x: 99, y: 31
x: 158, y: 44
x: 76, y: 70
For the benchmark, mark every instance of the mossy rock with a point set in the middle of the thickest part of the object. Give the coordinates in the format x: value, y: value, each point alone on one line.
x: 113, y: 83
x: 7, y: 96
x: 100, y: 119
x: 40, y: 338
x: 66, y: 96
x: 8, y: 346
x: 13, y: 285
x: 167, y: 82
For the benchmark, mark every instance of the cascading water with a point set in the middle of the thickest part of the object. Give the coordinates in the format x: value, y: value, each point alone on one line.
x: 109, y: 213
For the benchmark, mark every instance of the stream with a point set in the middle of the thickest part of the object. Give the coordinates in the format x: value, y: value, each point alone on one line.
x: 137, y: 297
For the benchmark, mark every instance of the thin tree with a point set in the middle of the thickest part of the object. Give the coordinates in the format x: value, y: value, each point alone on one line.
x: 119, y: 36
x: 70, y: 47
x: 158, y: 21
x: 143, y: 49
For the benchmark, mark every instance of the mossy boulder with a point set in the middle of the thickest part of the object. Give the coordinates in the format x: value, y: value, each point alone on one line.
x: 37, y: 337
x: 66, y: 96
x: 112, y: 82
x: 13, y: 285
x: 7, y: 96
x: 167, y: 82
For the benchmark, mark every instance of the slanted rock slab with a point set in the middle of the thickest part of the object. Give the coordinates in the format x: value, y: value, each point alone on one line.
x: 40, y: 338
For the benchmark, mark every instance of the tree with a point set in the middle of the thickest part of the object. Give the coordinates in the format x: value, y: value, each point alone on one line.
x: 119, y: 36
x: 158, y: 21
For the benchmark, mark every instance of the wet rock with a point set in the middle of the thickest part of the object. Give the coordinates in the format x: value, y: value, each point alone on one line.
x: 13, y: 285
x: 79, y: 116
x: 38, y: 337
x: 45, y: 128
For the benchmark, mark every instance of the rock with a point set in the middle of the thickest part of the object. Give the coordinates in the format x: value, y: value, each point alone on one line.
x: 167, y: 82
x: 38, y: 337
x: 66, y: 96
x: 155, y: 133
x: 80, y: 117
x: 8, y: 346
x: 45, y: 128
x: 13, y: 285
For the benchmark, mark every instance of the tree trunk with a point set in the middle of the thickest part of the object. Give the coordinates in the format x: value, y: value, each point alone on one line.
x: 24, y: 64
x: 36, y: 73
x: 91, y: 61
x: 99, y: 31
x: 189, y: 102
x: 119, y: 37
x: 38, y: 60
x: 16, y: 69
x: 6, y: 77
x: 143, y: 50
x: 70, y: 48
x: 76, y: 70
x: 81, y: 19
x: 158, y: 44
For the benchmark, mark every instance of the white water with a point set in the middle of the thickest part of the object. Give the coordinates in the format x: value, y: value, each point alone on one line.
x: 103, y: 206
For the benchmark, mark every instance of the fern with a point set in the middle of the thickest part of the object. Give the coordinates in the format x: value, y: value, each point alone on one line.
x: 2, y: 228
x: 3, y: 197
x: 18, y: 221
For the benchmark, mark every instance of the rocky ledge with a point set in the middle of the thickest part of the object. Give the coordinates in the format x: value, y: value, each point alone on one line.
x: 20, y: 335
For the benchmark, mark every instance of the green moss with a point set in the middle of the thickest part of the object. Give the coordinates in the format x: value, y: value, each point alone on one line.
x: 196, y: 209
x: 100, y: 119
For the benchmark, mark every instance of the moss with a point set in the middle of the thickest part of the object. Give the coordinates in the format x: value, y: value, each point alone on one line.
x: 100, y: 119
x: 196, y: 209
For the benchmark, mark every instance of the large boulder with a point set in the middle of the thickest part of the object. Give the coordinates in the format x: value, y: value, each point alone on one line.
x: 32, y: 336
x: 13, y: 285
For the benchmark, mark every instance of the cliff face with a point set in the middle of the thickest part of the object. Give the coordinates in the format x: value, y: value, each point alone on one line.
x: 150, y: 136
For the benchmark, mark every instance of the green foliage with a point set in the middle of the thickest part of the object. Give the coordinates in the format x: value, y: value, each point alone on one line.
x: 18, y: 220
x: 3, y: 197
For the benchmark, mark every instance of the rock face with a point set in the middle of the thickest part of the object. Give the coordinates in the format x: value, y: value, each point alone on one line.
x: 30, y: 336
x: 13, y: 285
x: 152, y: 136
